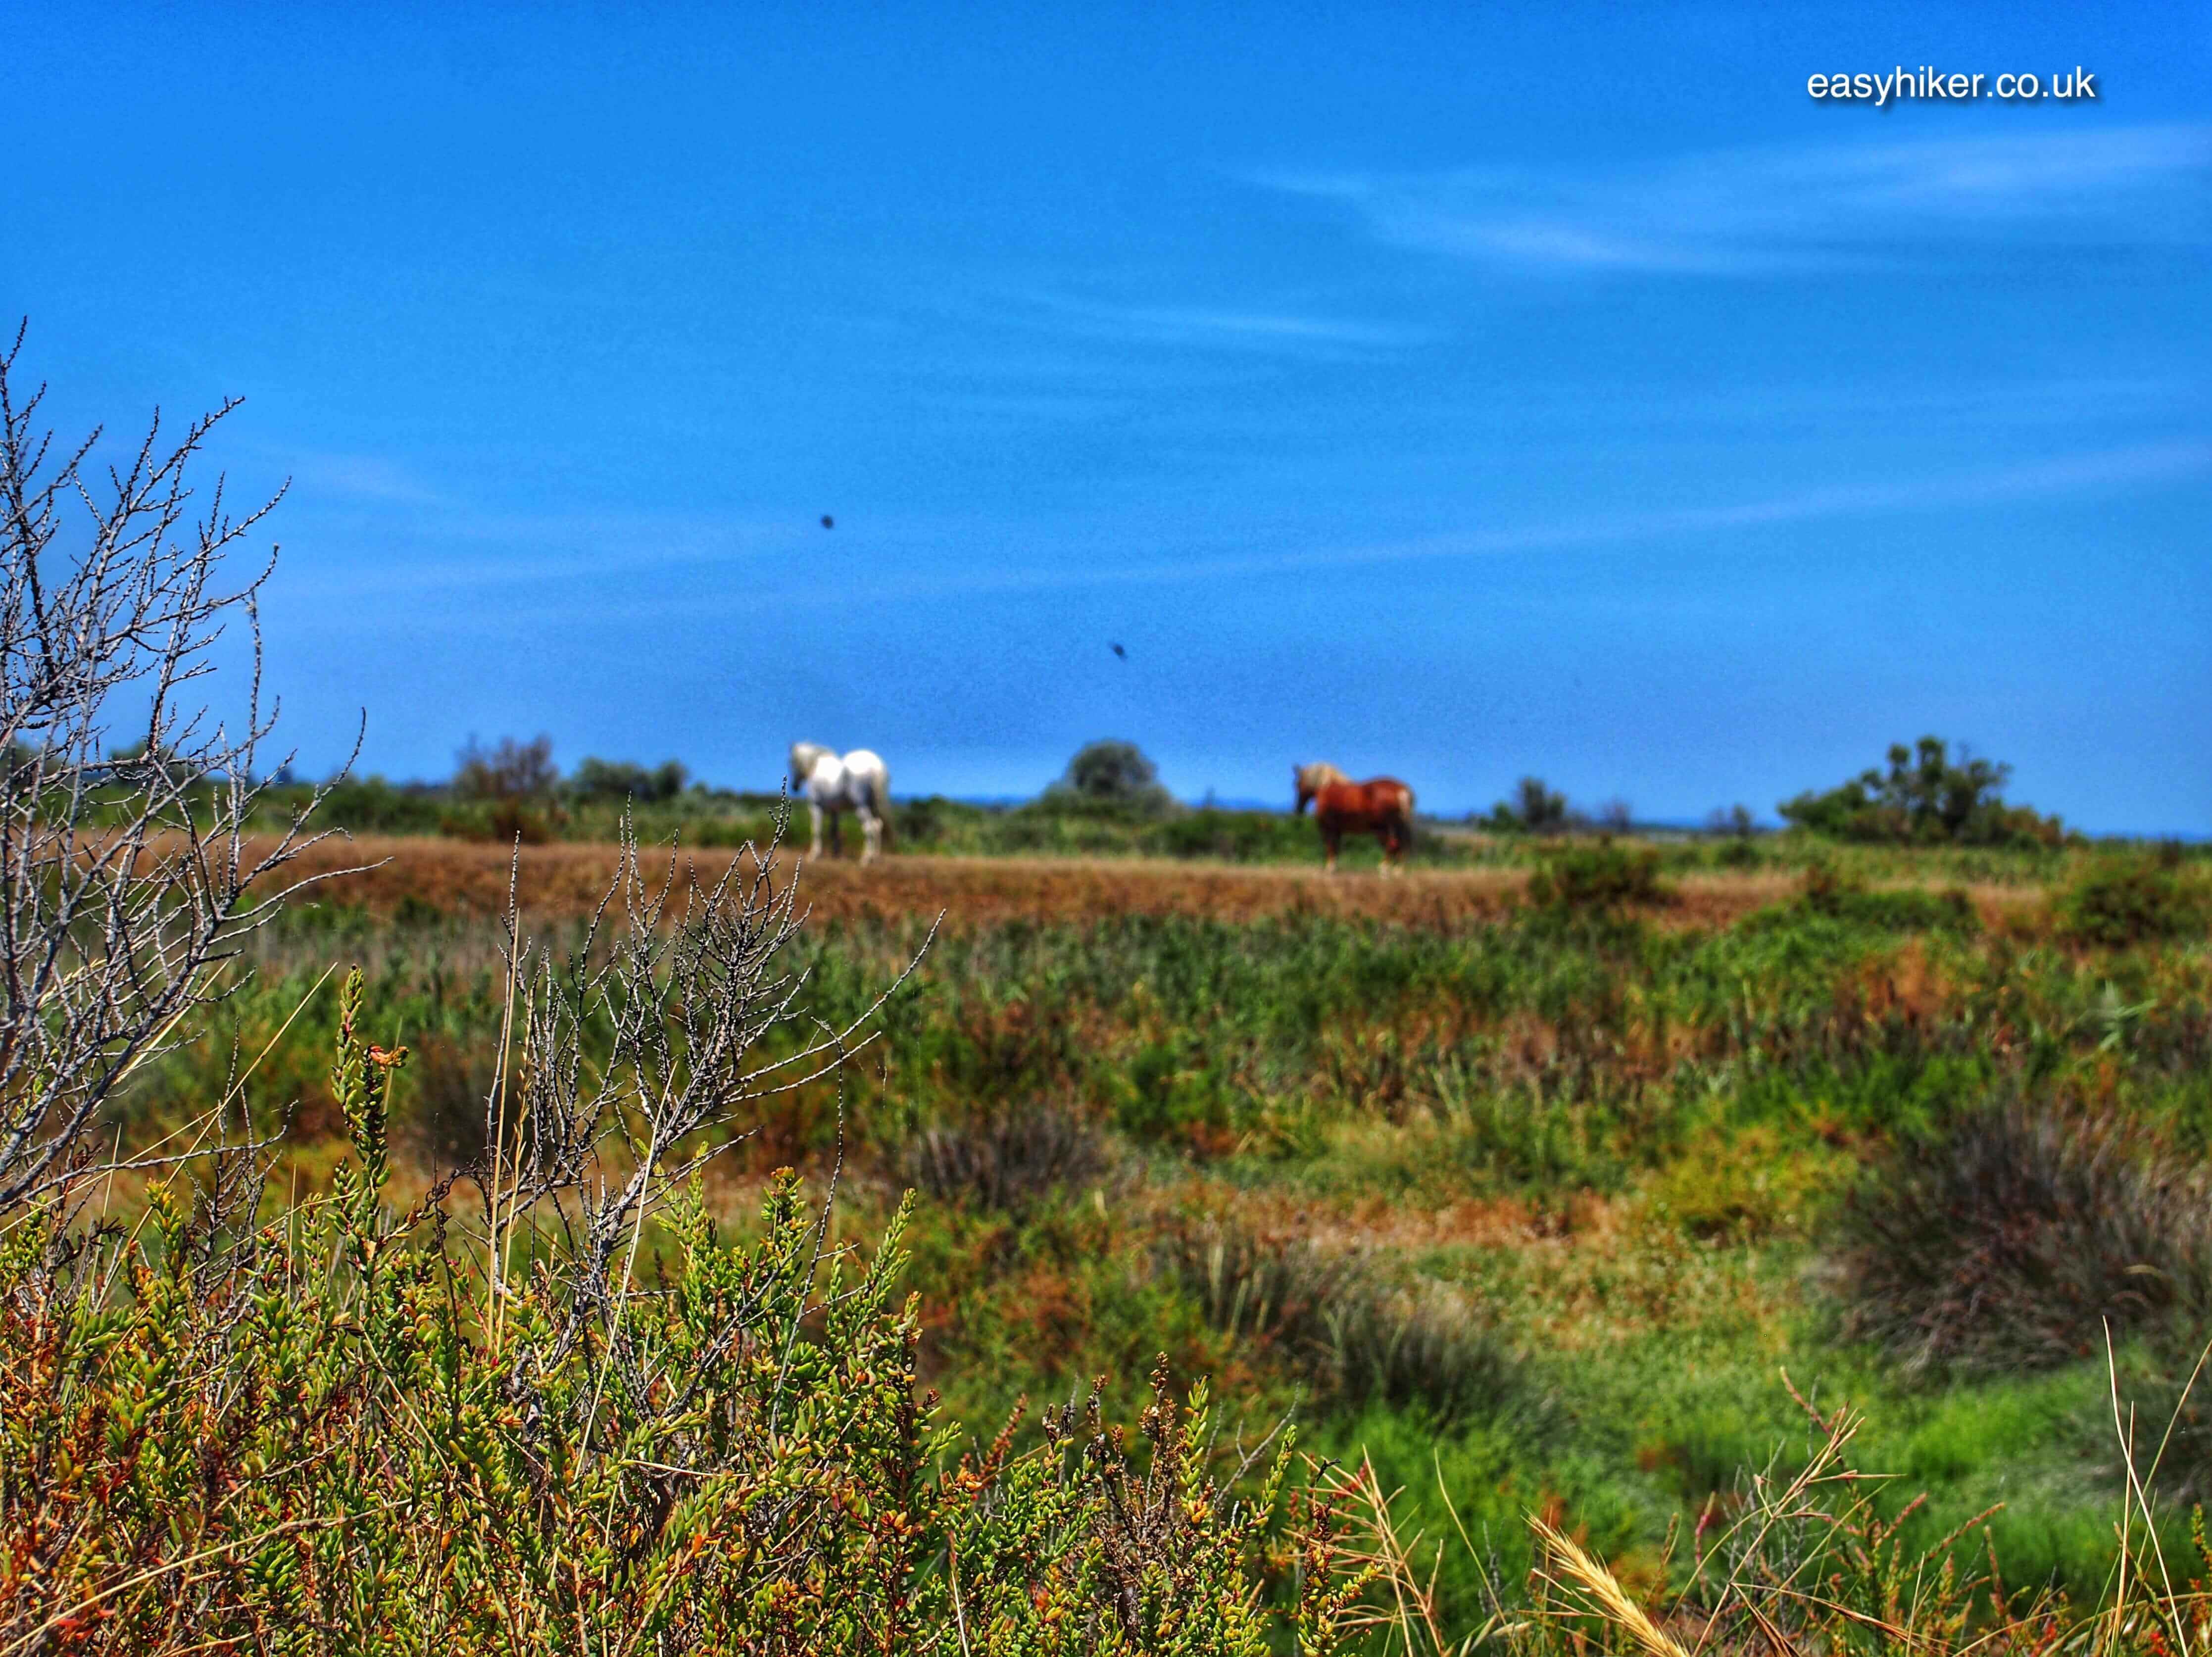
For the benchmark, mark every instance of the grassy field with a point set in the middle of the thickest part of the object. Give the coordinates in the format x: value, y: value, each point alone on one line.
x: 1533, y: 1203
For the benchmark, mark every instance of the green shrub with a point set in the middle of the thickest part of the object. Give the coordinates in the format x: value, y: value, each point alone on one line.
x: 1173, y: 1090
x: 2118, y: 902
x: 1233, y: 836
x: 919, y: 822
x: 374, y: 806
x: 441, y: 1120
x: 333, y: 1432
x: 625, y: 779
x: 1825, y: 892
x: 1737, y: 852
x: 1113, y: 773
x: 1601, y: 876
x: 1745, y: 1187
x: 1924, y: 798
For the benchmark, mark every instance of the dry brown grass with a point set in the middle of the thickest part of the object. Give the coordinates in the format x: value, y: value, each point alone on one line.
x: 557, y: 881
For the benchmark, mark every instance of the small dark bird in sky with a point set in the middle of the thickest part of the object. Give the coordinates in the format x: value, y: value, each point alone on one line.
x: 827, y: 522
x: 1122, y: 654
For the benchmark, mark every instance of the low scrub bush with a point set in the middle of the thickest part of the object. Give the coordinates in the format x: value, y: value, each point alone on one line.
x: 1601, y: 876
x: 2015, y: 1236
x: 502, y: 822
x: 1745, y: 1187
x: 1173, y: 1090
x: 350, y: 1430
x: 623, y: 780
x: 1737, y: 852
x: 2119, y: 902
x: 374, y: 806
x: 1233, y: 836
x: 1825, y: 890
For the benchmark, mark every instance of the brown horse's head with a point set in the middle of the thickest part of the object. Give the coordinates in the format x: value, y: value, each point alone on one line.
x: 1312, y: 779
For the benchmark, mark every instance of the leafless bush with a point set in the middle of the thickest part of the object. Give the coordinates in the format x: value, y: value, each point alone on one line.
x: 675, y: 987
x: 124, y: 881
x: 513, y: 770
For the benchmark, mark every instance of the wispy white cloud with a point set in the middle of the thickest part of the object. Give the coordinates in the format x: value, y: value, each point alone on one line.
x: 1756, y: 211
x: 355, y: 477
x: 1220, y: 328
x: 2056, y: 477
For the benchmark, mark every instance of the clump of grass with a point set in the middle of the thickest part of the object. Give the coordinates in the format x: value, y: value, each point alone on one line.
x: 1273, y: 1291
x: 1007, y: 1161
x: 1332, y: 1318
x: 2015, y: 1237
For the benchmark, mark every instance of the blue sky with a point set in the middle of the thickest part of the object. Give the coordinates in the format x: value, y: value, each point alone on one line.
x: 1455, y: 392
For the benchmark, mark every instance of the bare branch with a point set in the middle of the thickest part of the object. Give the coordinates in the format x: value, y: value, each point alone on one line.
x: 126, y: 877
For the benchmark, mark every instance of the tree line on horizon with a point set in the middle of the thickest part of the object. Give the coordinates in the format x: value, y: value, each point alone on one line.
x: 1929, y: 794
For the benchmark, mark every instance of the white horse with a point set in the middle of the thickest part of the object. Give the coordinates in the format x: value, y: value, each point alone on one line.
x: 858, y: 782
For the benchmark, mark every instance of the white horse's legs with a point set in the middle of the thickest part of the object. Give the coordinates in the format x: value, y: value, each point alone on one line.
x: 814, y: 811
x: 871, y: 834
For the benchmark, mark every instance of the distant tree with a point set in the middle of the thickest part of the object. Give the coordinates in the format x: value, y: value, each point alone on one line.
x: 1616, y: 816
x: 1112, y: 772
x: 513, y: 771
x: 622, y: 779
x: 1924, y: 797
x: 1534, y: 809
x: 1735, y: 820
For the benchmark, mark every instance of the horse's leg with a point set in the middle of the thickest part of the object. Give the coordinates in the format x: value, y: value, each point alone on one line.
x: 836, y: 831
x: 814, y: 811
x: 871, y: 834
x: 1328, y: 844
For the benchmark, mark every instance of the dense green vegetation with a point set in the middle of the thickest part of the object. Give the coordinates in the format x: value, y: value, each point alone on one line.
x: 1925, y: 797
x: 1547, y: 1206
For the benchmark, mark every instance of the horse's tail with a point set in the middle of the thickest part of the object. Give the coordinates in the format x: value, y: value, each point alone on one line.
x: 880, y: 800
x: 1406, y: 813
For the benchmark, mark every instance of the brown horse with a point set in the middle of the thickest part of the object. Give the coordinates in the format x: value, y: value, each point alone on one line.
x: 1381, y: 806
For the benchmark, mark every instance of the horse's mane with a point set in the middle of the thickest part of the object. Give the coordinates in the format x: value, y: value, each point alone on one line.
x: 1319, y: 775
